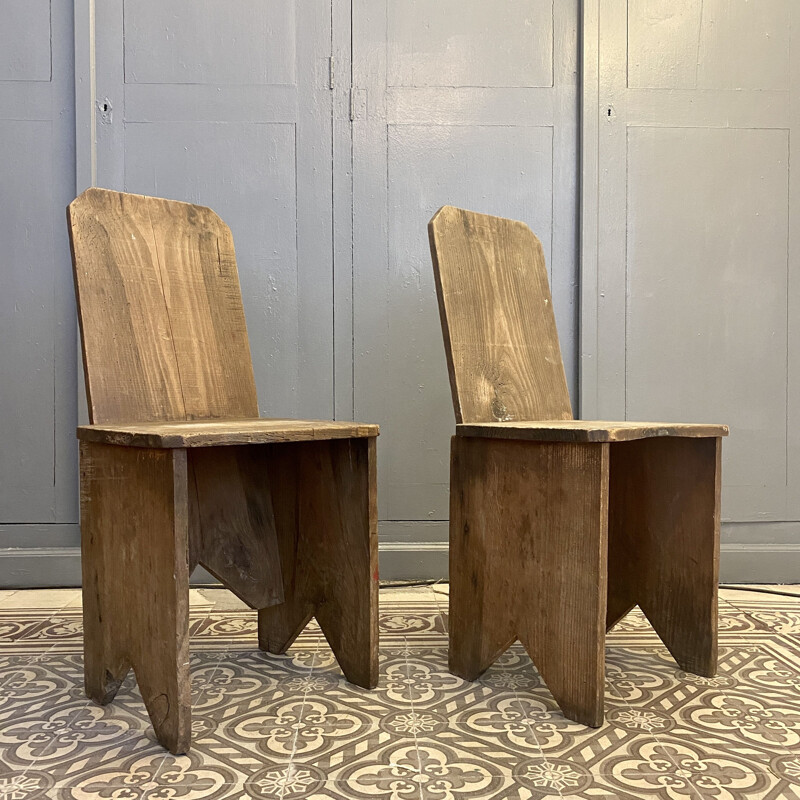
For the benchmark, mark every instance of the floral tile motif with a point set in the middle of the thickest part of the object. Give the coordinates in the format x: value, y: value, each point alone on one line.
x: 291, y: 726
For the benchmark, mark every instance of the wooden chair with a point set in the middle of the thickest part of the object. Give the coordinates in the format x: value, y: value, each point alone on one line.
x: 558, y: 527
x: 178, y: 470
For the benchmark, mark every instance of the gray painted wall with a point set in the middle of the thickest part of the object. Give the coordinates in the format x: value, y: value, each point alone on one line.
x: 690, y: 252
x: 38, y: 373
x: 248, y: 107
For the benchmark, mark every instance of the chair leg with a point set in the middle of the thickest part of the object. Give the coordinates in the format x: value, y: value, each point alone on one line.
x: 528, y: 538
x: 664, y: 516
x: 134, y: 544
x: 325, y: 507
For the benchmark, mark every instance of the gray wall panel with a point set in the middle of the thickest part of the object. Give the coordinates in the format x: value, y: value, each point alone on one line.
x: 26, y: 324
x: 235, y: 42
x: 690, y: 233
x: 707, y: 247
x: 448, y: 43
x: 25, y: 36
x: 38, y: 462
x: 689, y: 44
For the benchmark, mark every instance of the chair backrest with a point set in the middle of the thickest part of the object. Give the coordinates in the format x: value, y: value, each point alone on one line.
x: 160, y: 310
x: 497, y: 319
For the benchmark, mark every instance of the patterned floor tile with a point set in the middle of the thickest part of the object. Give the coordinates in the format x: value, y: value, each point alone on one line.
x: 291, y: 726
x: 40, y: 599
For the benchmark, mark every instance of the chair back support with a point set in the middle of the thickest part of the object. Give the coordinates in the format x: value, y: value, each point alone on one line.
x: 497, y: 319
x: 160, y: 311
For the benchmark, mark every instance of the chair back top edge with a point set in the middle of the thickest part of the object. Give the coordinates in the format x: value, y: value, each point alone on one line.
x: 499, y: 329
x: 160, y: 310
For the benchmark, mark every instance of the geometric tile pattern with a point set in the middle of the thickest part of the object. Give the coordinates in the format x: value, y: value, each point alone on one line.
x: 291, y: 727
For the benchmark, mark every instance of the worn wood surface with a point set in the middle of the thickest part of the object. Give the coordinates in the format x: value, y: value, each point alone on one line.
x: 529, y: 513
x: 233, y: 534
x: 134, y: 526
x: 167, y: 366
x: 528, y: 545
x: 497, y: 319
x: 160, y: 310
x: 208, y: 433
x: 580, y: 430
x: 664, y: 517
x: 325, y: 505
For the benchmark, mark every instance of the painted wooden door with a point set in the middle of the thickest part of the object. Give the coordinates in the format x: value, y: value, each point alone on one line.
x: 690, y: 302
x: 229, y: 105
x: 467, y: 103
x: 38, y: 490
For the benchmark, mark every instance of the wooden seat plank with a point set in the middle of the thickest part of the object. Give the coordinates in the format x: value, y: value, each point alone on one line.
x: 581, y: 430
x: 214, y: 433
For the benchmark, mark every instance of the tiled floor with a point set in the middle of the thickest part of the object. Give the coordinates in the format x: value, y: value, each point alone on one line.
x: 290, y: 727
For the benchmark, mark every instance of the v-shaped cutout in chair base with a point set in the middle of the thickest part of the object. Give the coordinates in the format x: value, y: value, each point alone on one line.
x: 298, y: 524
x: 551, y: 543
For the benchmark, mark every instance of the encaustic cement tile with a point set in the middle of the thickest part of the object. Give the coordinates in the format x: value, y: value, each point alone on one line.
x: 292, y: 727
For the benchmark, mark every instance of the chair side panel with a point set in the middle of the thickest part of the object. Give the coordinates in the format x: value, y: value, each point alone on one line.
x: 201, y: 286
x: 497, y: 319
x: 128, y: 354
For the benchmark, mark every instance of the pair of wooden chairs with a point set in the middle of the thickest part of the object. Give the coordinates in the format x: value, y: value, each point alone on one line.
x: 558, y: 527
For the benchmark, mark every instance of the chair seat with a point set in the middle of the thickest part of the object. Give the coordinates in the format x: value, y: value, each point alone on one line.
x: 213, y: 433
x: 580, y: 430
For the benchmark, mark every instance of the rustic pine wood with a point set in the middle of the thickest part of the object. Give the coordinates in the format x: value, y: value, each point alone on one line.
x: 235, y: 538
x: 558, y: 527
x: 497, y: 318
x: 664, y: 514
x: 160, y: 311
x: 177, y: 468
x: 579, y: 430
x: 325, y: 504
x: 134, y: 556
x: 210, y: 433
x: 526, y: 565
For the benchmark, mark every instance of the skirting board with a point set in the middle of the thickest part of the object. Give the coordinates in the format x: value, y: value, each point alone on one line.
x: 40, y: 567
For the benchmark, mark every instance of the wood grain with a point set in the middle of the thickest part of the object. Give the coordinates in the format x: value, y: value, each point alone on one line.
x: 529, y: 489
x: 167, y: 366
x: 197, y: 263
x: 134, y: 549
x: 128, y: 353
x: 223, y: 432
x: 497, y: 317
x: 528, y: 544
x: 324, y: 497
x: 664, y: 518
x: 160, y: 310
x: 231, y: 509
x: 580, y: 430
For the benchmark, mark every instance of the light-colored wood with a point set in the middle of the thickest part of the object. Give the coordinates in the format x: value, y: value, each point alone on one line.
x: 209, y: 433
x: 134, y: 549
x: 160, y: 310
x: 497, y: 318
x: 525, y: 564
x: 324, y: 496
x: 664, y: 517
x: 580, y: 430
